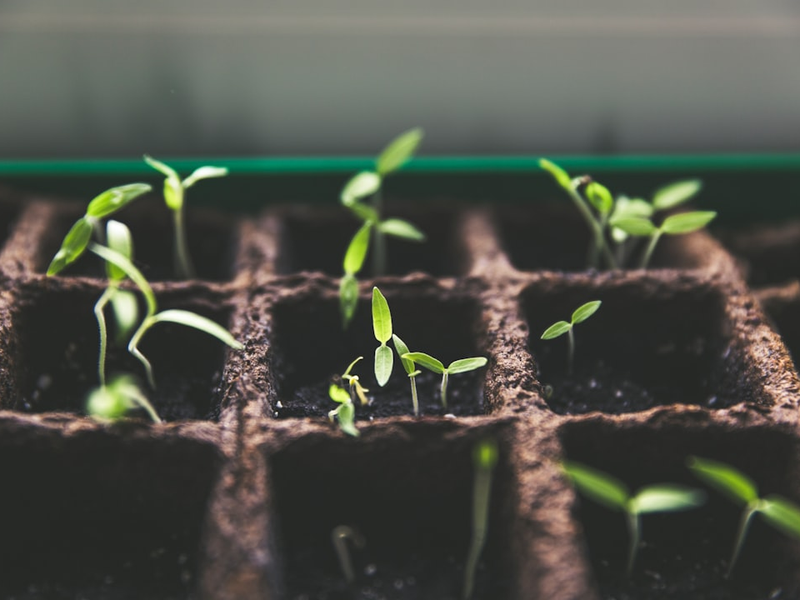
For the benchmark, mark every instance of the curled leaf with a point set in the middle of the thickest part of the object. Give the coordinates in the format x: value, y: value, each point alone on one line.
x: 74, y: 244
x: 560, y: 175
x: 600, y: 197
x: 114, y: 199
x: 338, y: 394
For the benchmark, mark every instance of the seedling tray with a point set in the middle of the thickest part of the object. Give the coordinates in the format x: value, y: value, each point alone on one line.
x: 236, y: 495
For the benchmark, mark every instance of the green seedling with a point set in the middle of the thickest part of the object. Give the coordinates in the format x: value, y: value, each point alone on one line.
x: 374, y: 227
x: 80, y: 234
x: 561, y: 327
x: 382, y: 327
x: 115, y: 400
x: 613, y: 494
x: 462, y: 365
x: 174, y: 194
x: 346, y: 412
x: 484, y: 458
x: 339, y: 536
x: 779, y: 512
x: 410, y: 368
x: 356, y: 389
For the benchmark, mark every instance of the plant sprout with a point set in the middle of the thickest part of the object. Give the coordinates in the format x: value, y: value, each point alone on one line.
x: 121, y: 395
x: 613, y: 494
x: 484, y: 458
x: 356, y: 389
x: 374, y: 226
x: 339, y: 537
x: 561, y: 327
x: 779, y: 512
x: 174, y: 193
x: 462, y: 365
x: 382, y: 327
x: 410, y: 368
x: 346, y: 411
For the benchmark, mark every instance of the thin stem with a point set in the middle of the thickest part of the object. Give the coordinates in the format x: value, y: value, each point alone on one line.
x: 634, y: 528
x: 133, y: 348
x: 481, y: 491
x: 744, y: 522
x: 145, y: 404
x: 339, y: 536
x: 597, y: 231
x: 649, y: 252
x: 183, y: 262
x: 444, y: 389
x: 570, y: 350
x: 99, y: 307
x: 414, y: 400
x: 379, y: 256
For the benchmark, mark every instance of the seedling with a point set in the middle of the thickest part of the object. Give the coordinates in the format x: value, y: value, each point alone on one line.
x: 561, y: 327
x: 779, y: 512
x: 613, y: 494
x: 484, y: 457
x: 462, y: 365
x: 382, y: 327
x: 339, y: 537
x: 356, y: 389
x: 410, y: 368
x: 346, y: 411
x: 113, y: 401
x: 374, y: 226
x: 174, y: 194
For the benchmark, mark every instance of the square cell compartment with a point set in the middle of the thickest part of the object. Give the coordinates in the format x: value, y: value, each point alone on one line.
x: 770, y: 254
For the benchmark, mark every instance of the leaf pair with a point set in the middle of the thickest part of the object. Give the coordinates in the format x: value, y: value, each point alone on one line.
x: 462, y: 365
x: 346, y: 412
x: 559, y: 328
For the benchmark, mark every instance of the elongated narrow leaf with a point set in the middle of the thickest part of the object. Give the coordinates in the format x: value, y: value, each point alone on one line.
x: 161, y: 167
x: 464, y: 365
x: 131, y: 271
x: 687, y: 222
x: 725, y: 478
x: 401, y: 229
x: 600, y: 197
x: 126, y: 312
x: 666, y: 498
x: 634, y: 226
x: 364, y: 212
x: 351, y: 365
x: 114, y: 199
x: 74, y: 244
x: 348, y: 298
x: 399, y: 150
x: 555, y: 330
x: 360, y: 186
x: 346, y: 416
x: 360, y: 392
x: 204, y: 173
x: 401, y: 348
x: 195, y: 321
x: 560, y: 175
x: 338, y: 394
x: 675, y: 194
x: 357, y: 250
x: 584, y: 312
x: 782, y: 513
x: 381, y: 317
x: 118, y: 238
x: 599, y: 486
x: 384, y: 362
x: 426, y: 360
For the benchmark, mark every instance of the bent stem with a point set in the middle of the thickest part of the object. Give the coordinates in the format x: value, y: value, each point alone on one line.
x: 183, y: 262
x: 599, y: 243
x: 339, y: 537
x: 747, y: 515
x: 651, y: 246
x: 144, y: 403
x: 99, y: 307
x: 634, y: 528
x: 133, y: 348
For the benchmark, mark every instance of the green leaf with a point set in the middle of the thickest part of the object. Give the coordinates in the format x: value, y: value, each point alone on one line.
x: 360, y: 186
x: 105, y: 402
x: 666, y: 498
x: 426, y: 360
x: 204, y: 173
x: 399, y: 151
x: 599, y: 486
x: 555, y: 330
x: 485, y: 454
x: 346, y: 415
x: 338, y: 394
x: 632, y: 207
x: 675, y: 194
x: 401, y: 348
x: 114, y: 199
x: 687, y: 222
x: 725, y: 478
x: 351, y: 365
x: 161, y: 167
x: 348, y: 298
x: 559, y: 174
x: 130, y: 270
x: 782, y: 513
x: 600, y: 197
x: 357, y: 250
x: 126, y: 312
x: 584, y: 312
x: 364, y: 212
x: 384, y: 362
x: 173, y: 194
x: 195, y: 321
x: 74, y: 244
x: 381, y: 317
x: 465, y: 365
x: 634, y: 226
x: 118, y: 238
x: 401, y: 229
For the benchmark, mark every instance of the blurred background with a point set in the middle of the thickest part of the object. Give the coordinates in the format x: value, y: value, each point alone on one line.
x: 112, y: 79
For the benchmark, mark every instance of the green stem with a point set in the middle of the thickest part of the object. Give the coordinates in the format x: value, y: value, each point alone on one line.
x: 133, y: 348
x: 379, y: 255
x: 634, y: 528
x: 99, y: 307
x: 339, y: 537
x: 480, y: 524
x: 597, y: 230
x: 145, y: 404
x: 570, y: 350
x: 444, y: 389
x: 183, y: 262
x: 744, y: 522
x: 414, y: 399
x: 650, y: 248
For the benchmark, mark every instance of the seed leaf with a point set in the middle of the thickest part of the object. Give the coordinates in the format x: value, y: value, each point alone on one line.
x: 204, y: 173
x: 632, y: 207
x: 599, y: 486
x: 725, y: 478
x: 666, y: 498
x: 687, y: 222
x: 118, y: 237
x: 600, y: 197
x: 555, y: 330
x: 401, y: 348
x: 399, y: 151
x: 126, y: 312
x: 348, y: 298
x: 357, y: 250
x: 338, y: 394
x: 782, y: 513
x: 426, y: 361
x: 130, y: 270
x: 559, y: 174
x: 381, y: 317
x: 346, y: 415
x: 401, y: 229
x: 384, y: 361
x: 485, y: 454
x: 114, y: 199
x: 195, y: 321
x: 351, y: 365
x: 675, y: 194
x: 72, y: 247
x: 359, y: 186
x: 464, y: 365
x: 173, y: 193
x: 584, y: 312
x: 634, y: 226
x: 161, y: 167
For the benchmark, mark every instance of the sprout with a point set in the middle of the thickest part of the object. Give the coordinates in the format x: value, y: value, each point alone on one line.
x: 174, y: 193
x: 339, y: 537
x: 356, y: 389
x: 382, y: 326
x: 613, y: 494
x: 779, y: 512
x: 457, y: 366
x: 113, y: 401
x: 561, y: 327
x: 410, y: 368
x: 346, y: 412
x: 484, y: 457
